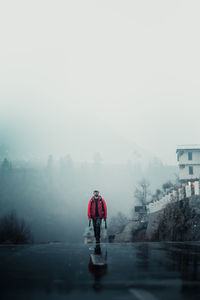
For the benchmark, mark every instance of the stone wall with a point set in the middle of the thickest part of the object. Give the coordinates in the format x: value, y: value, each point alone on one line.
x: 133, y: 231
x: 178, y: 221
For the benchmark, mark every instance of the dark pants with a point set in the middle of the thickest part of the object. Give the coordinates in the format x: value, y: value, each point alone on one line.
x: 97, y: 227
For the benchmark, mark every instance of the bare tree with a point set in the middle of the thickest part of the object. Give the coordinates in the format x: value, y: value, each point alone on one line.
x: 142, y: 191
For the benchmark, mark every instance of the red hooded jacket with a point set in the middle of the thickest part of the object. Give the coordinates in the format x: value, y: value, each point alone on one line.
x: 102, y: 209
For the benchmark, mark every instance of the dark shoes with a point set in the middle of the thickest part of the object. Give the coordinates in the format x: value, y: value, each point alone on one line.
x: 97, y: 240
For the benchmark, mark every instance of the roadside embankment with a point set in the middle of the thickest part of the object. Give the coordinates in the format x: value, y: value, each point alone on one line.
x: 178, y: 221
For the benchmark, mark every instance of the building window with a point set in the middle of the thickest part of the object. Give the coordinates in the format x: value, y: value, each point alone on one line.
x: 190, y: 170
x: 181, y: 166
x: 189, y: 155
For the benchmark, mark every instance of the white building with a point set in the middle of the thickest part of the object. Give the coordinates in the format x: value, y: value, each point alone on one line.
x: 188, y: 157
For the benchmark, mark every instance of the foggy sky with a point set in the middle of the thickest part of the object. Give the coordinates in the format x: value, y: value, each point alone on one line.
x: 86, y: 75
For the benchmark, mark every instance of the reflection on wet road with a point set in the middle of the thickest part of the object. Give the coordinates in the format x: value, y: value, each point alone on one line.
x: 98, y: 270
x: 140, y: 271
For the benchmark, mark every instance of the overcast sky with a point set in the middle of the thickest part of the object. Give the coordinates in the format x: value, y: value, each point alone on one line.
x: 128, y: 67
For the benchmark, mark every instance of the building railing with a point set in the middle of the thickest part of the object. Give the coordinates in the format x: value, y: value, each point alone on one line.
x: 176, y: 195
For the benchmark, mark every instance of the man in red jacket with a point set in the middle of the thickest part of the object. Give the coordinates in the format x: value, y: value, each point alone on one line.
x: 97, y: 211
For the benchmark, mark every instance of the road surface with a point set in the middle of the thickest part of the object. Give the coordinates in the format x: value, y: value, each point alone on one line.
x: 140, y: 271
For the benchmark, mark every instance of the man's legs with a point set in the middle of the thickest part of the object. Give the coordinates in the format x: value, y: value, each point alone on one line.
x: 97, y: 228
x: 94, y: 226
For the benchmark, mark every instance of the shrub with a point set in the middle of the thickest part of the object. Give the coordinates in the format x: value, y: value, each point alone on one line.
x: 14, y: 230
x: 117, y: 223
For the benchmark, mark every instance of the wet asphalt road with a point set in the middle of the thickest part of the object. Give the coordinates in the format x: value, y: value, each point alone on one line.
x: 138, y: 271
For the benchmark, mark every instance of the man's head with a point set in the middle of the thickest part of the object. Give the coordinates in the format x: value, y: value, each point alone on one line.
x: 96, y: 193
